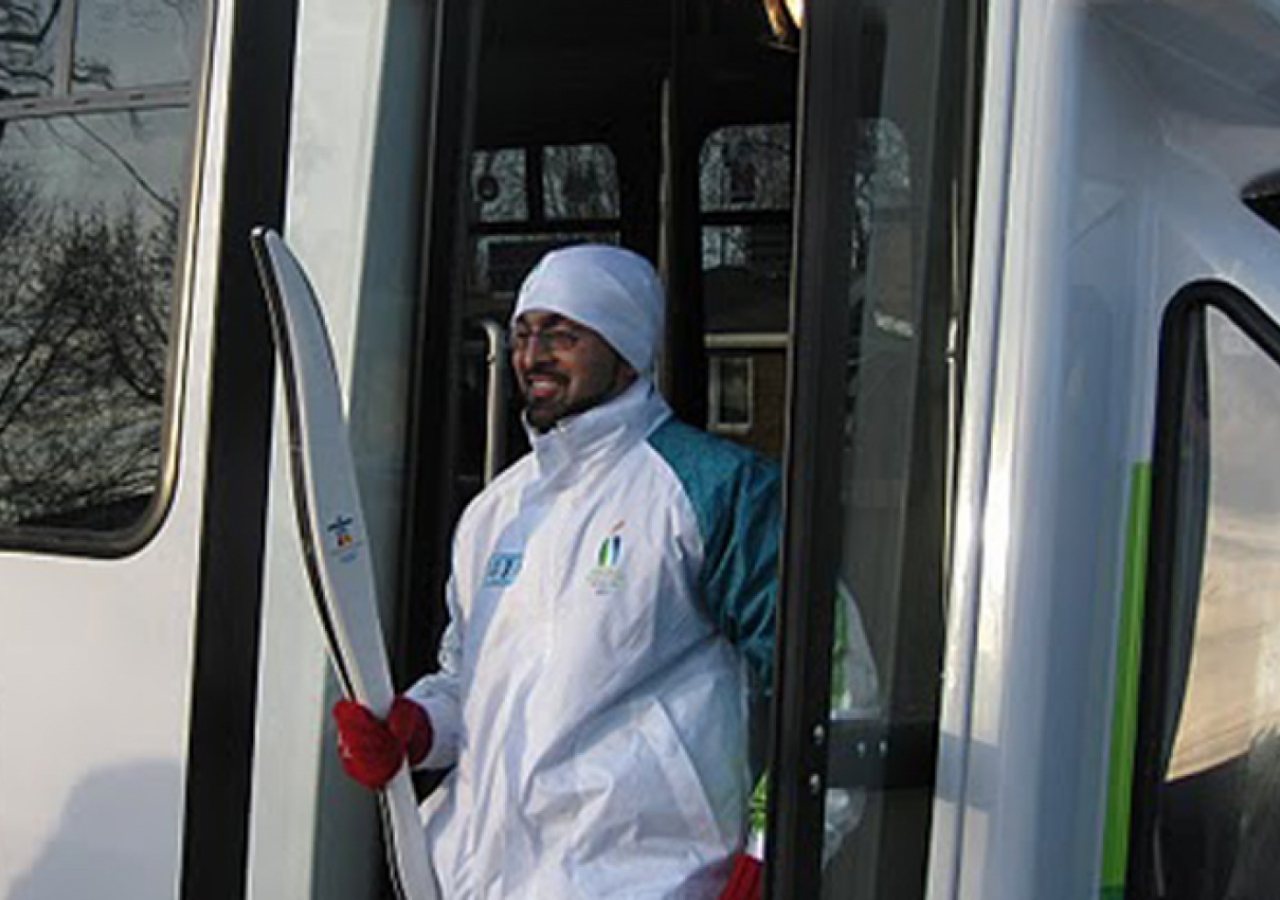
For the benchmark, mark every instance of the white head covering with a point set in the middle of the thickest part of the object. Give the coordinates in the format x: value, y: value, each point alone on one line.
x: 612, y: 291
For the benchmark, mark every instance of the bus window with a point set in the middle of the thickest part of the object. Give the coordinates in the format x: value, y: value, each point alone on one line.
x: 1209, y: 758
x: 498, y: 186
x: 528, y: 200
x: 580, y: 182
x: 744, y: 186
x: 92, y: 193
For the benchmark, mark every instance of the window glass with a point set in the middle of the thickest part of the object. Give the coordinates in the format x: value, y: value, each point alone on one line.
x: 745, y: 201
x: 746, y: 167
x: 1219, y: 818
x: 885, y: 225
x: 732, y: 390
x: 528, y: 201
x: 29, y: 36
x: 89, y: 209
x: 580, y: 182
x: 762, y: 249
x: 129, y: 43
x: 882, y: 674
x: 498, y: 185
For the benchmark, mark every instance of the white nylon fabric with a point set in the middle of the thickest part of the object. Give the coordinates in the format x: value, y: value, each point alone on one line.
x: 614, y: 292
x: 596, y: 717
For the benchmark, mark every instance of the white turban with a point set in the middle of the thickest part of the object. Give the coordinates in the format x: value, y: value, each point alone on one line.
x: 612, y: 291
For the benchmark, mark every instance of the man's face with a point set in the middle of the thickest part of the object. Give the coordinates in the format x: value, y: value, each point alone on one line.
x: 563, y: 368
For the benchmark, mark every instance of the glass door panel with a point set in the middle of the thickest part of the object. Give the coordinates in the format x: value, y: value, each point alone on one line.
x: 883, y: 229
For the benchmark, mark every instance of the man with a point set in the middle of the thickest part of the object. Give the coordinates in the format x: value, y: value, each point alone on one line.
x: 612, y: 603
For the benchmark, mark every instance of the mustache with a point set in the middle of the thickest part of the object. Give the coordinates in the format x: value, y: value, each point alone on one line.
x: 544, y: 371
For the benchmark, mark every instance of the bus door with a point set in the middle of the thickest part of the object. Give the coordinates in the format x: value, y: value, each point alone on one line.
x: 881, y: 274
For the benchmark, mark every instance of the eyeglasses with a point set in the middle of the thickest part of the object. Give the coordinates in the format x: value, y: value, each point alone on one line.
x: 554, y: 340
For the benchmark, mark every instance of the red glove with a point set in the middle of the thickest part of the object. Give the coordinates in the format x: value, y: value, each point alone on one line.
x: 744, y: 882
x: 372, y: 750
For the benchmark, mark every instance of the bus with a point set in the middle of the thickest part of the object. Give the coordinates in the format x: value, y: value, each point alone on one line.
x: 997, y: 282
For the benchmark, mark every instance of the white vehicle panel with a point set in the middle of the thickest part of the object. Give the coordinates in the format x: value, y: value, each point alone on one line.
x: 94, y: 698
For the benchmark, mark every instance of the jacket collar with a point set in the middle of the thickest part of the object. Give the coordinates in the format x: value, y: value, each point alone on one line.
x: 599, y: 434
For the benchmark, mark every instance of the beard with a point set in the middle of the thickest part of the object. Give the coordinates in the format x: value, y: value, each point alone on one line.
x: 544, y: 413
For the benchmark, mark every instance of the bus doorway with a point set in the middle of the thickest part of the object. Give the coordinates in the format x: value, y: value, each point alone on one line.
x: 666, y: 129
x: 673, y: 130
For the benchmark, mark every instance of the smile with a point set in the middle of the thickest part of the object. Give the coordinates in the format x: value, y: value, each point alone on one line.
x: 540, y: 387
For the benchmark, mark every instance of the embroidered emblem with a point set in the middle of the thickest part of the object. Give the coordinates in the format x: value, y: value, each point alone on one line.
x: 502, y: 569
x: 607, y: 576
x: 341, y: 538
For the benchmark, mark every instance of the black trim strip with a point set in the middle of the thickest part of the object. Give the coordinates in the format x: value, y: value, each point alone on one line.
x: 1181, y: 346
x: 811, y: 550
x: 224, y: 684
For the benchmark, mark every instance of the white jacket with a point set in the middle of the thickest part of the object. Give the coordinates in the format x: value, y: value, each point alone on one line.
x: 587, y: 693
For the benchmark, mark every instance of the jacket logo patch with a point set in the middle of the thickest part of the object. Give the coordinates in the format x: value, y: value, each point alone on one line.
x: 502, y: 569
x: 607, y: 577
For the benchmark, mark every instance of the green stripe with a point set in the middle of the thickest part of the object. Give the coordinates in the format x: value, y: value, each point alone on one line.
x: 1115, y: 854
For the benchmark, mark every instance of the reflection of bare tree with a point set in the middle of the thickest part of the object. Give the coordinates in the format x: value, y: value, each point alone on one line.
x: 87, y: 244
x: 28, y: 32
x: 498, y: 181
x: 26, y: 38
x: 29, y: 35
x: 168, y: 205
x: 560, y: 182
x: 83, y: 335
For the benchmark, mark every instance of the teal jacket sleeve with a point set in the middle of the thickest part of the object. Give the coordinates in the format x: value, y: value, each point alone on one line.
x: 741, y: 570
x: 736, y: 495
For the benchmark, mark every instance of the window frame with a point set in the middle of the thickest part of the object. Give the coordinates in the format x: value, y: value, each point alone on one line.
x: 193, y: 96
x: 1181, y: 356
x: 716, y: 389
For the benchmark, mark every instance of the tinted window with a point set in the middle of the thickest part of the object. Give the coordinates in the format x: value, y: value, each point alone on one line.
x: 580, y: 182
x: 127, y: 43
x: 90, y: 208
x: 30, y: 32
x: 526, y: 201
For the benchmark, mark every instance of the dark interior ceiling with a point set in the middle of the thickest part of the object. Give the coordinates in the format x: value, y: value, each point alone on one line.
x: 563, y: 66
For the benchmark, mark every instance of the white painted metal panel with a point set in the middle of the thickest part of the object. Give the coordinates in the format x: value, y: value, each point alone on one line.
x: 95, y: 670
x: 362, y: 73
x: 1123, y: 185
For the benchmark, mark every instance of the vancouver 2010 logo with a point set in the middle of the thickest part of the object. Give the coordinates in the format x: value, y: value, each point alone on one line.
x: 607, y: 577
x: 341, y: 538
